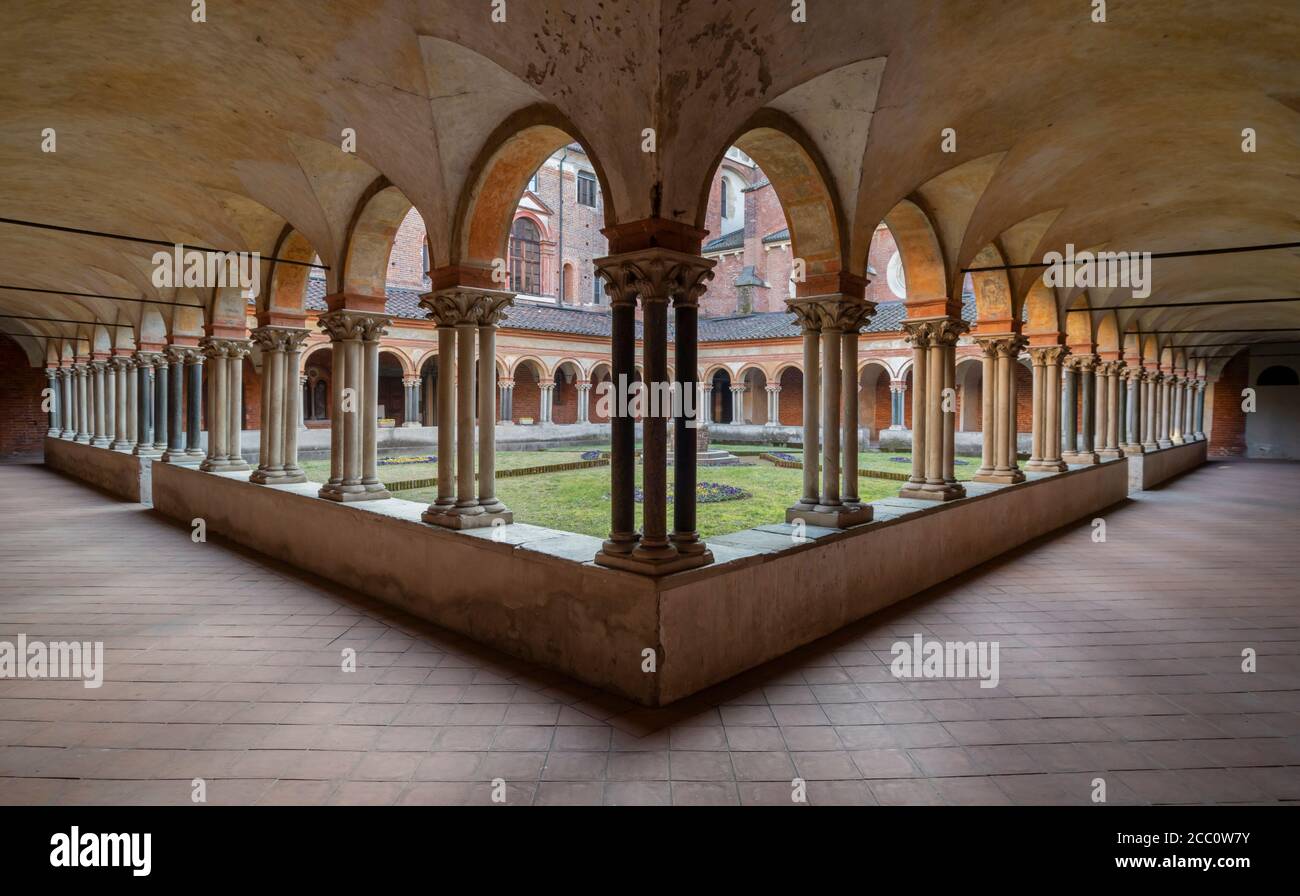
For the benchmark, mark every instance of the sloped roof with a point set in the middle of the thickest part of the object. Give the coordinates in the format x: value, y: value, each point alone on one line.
x: 726, y: 242
x: 404, y: 304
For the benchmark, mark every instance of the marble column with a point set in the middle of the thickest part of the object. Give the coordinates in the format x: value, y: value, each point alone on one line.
x: 110, y: 403
x: 738, y: 403
x: 1069, y: 411
x: 773, y: 405
x: 898, y: 404
x: 120, y: 368
x: 281, y: 397
x: 132, y: 402
x: 175, y: 452
x: 507, y: 387
x: 467, y: 321
x: 1100, y: 409
x: 988, y: 408
x: 1189, y: 409
x: 1132, y: 443
x: 214, y: 350
x: 833, y: 387
x: 706, y: 403
x: 237, y: 350
x: 1200, y: 410
x: 411, y: 401
x: 547, y: 402
x: 849, y: 388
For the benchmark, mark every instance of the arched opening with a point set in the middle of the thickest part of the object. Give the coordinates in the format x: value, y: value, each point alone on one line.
x: 721, y: 410
x: 754, y: 401
x: 318, y: 370
x: 528, y: 394
x: 599, y: 374
x: 526, y: 257
x: 970, y: 395
x: 1277, y: 375
x: 874, y: 400
x: 791, y: 402
x: 429, y: 390
x: 392, y: 398
x: 565, y: 397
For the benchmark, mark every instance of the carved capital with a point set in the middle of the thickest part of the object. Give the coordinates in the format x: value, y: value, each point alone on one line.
x: 655, y: 275
x: 1048, y: 355
x: 459, y: 306
x: 1003, y: 346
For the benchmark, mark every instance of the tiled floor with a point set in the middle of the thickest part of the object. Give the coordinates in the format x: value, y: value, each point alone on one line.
x: 1119, y: 660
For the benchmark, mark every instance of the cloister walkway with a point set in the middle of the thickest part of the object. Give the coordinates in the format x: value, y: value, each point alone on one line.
x: 1120, y: 660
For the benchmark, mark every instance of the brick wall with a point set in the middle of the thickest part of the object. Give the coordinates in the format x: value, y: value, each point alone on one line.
x: 1227, y: 438
x: 252, y: 386
x: 527, y: 397
x: 1024, y: 398
x: 790, y: 409
x: 22, y: 422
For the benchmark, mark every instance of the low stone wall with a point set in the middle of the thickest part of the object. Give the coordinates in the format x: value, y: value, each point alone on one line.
x: 969, y: 444
x: 1149, y: 470
x: 116, y: 472
x: 535, y: 593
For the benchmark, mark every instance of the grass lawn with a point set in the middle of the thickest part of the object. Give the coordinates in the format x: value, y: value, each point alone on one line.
x: 319, y: 470
x: 576, y: 501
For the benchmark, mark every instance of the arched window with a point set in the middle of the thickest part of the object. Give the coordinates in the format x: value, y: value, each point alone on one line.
x: 726, y: 199
x: 525, y: 257
x: 1278, y: 375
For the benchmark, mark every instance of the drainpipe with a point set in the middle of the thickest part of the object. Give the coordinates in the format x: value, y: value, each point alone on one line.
x: 563, y: 157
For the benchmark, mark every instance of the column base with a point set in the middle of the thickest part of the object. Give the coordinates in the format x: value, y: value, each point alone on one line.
x: 689, y: 543
x: 409, y: 426
x: 81, y: 440
x: 1178, y: 440
x: 1164, y: 443
x: 933, y: 493
x: 841, y: 517
x: 452, y: 520
x: 1132, y: 450
x: 1200, y: 437
x: 181, y: 459
x: 1000, y: 477
x: 266, y: 477
x: 656, y: 566
x: 67, y: 436
x: 146, y: 452
x: 1045, y: 466
x: 236, y: 467
x: 116, y: 445
x: 1110, y: 453
x: 336, y: 493
x: 1080, y: 458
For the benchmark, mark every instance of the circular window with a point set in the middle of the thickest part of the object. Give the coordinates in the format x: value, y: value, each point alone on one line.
x: 894, y: 274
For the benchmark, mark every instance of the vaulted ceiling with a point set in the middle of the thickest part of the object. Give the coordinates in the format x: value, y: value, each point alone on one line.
x: 1125, y: 134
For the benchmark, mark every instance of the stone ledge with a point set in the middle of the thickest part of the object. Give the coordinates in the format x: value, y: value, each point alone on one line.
x: 119, y: 473
x: 1156, y: 467
x: 537, y: 594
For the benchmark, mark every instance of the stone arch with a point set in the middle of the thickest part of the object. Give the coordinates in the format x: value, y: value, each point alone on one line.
x: 564, y: 404
x: 285, y: 293
x: 601, y: 372
x: 318, y: 368
x: 805, y: 188
x: 721, y: 403
x: 994, y: 304
x: 528, y: 376
x: 754, y: 402
x: 1040, y: 311
x: 924, y: 267
x: 379, y: 213
x: 499, y: 175
x: 874, y: 412
x: 394, y: 367
x: 1108, y: 333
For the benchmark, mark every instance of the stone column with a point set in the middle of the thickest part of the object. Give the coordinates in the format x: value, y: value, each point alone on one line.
x: 467, y: 321
x: 354, y: 409
x: 81, y: 400
x: 1189, y: 409
x: 160, y: 395
x: 52, y: 402
x: 270, y: 343
x: 1069, y: 412
x: 214, y: 350
x: 132, y: 403
x: 898, y: 404
x: 371, y: 331
x: 546, y: 404
x: 933, y: 427
x: 685, y: 290
x: 919, y: 334
x: 999, y: 422
x: 1084, y: 370
x: 67, y: 410
x: 584, y: 402
x: 118, y: 368
x: 99, y: 439
x: 1129, y: 385
x: 304, y: 400
x: 1110, y: 445
x: 507, y: 387
x: 773, y: 405
x: 948, y: 414
x: 738, y: 403
x: 175, y: 406
x: 1200, y: 410
x: 237, y: 350
x: 1100, y: 374
x: 849, y: 387
x: 411, y: 403
x: 144, y: 438
x: 1047, y: 363
x: 110, y: 403
x: 1164, y: 429
x: 706, y: 403
x: 988, y: 408
x: 193, y: 406
x: 655, y: 276
x: 835, y: 318
x: 489, y: 316
x: 620, y: 286
x: 293, y: 413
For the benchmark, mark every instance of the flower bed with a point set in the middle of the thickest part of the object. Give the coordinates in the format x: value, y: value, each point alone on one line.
x: 705, y: 493
x: 408, y: 459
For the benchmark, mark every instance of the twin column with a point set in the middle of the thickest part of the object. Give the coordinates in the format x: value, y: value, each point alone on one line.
x: 281, y: 349
x: 225, y: 363
x: 934, y: 344
x: 831, y: 325
x: 1045, y: 455
x: 656, y: 277
x: 1000, y: 457
x: 467, y: 319
x: 354, y: 415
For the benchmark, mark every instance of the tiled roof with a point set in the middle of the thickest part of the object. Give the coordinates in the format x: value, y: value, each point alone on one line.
x: 404, y: 303
x: 779, y: 236
x: 726, y: 242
